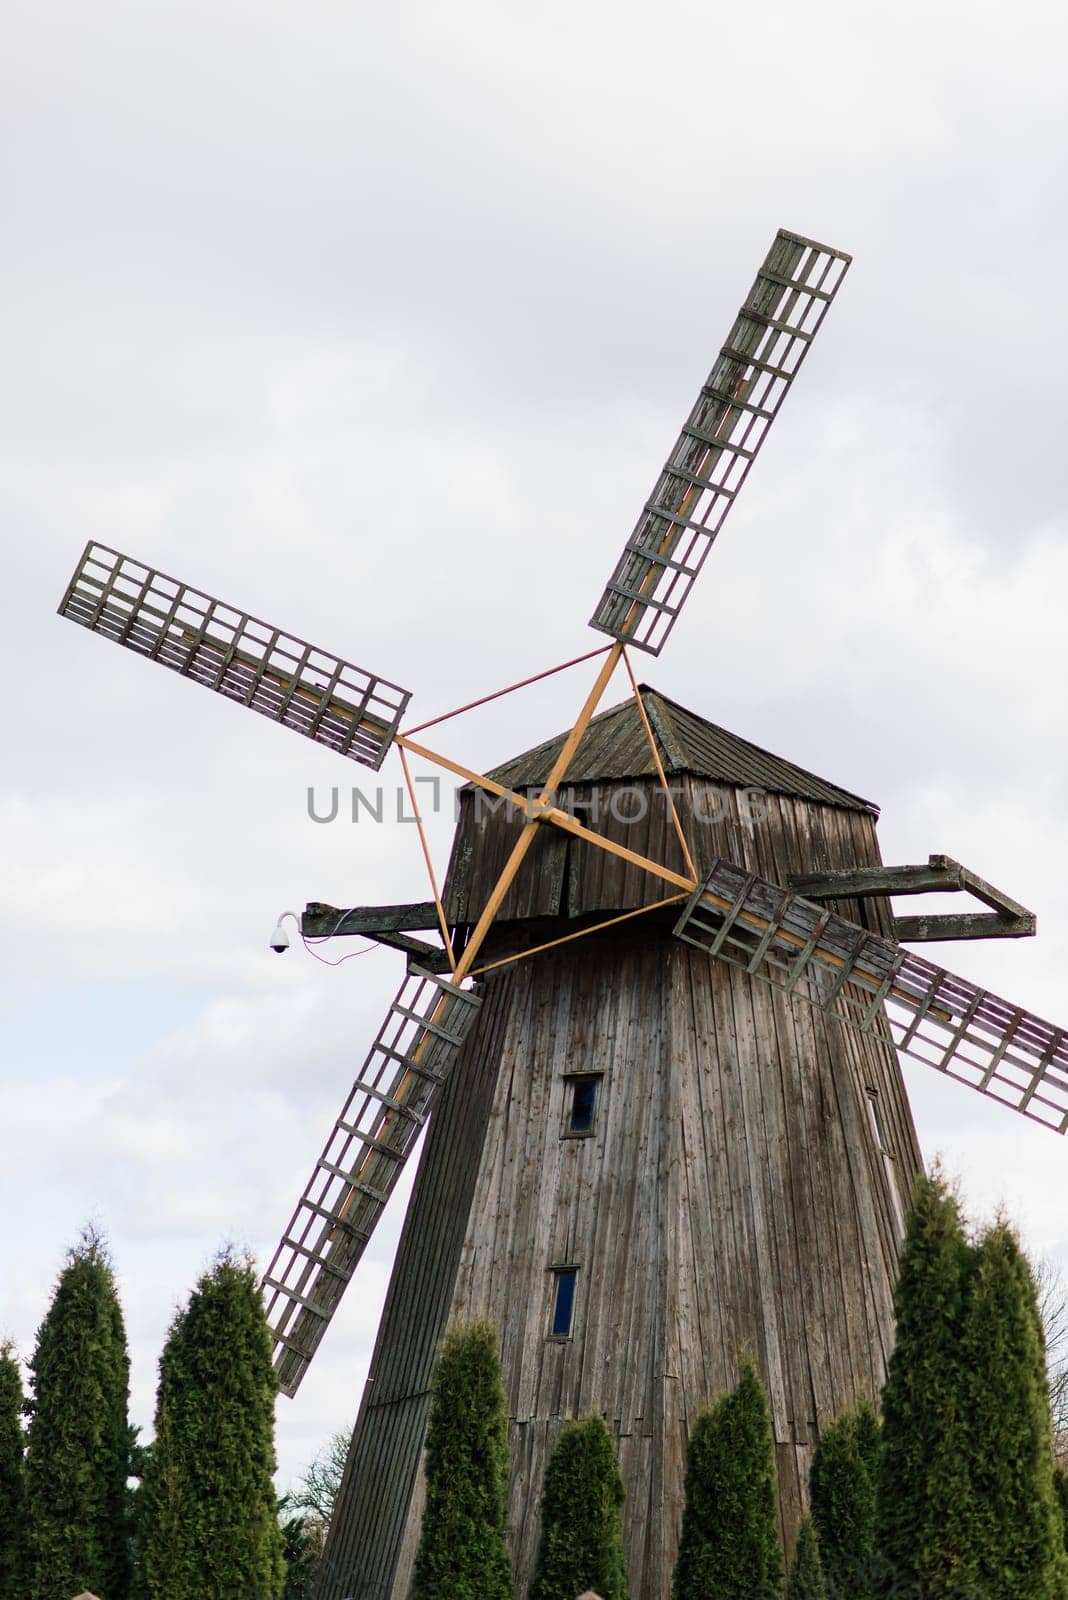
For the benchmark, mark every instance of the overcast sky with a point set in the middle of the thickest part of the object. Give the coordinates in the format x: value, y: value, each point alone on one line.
x: 380, y: 321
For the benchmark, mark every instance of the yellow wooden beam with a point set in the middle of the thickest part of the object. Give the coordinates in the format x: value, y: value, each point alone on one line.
x: 540, y: 810
x: 580, y: 933
x: 526, y: 837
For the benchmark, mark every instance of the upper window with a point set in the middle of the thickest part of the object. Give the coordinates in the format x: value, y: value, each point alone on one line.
x: 878, y: 1128
x: 875, y: 1113
x: 581, y: 1102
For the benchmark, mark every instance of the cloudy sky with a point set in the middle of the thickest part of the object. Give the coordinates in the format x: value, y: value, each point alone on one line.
x: 379, y: 321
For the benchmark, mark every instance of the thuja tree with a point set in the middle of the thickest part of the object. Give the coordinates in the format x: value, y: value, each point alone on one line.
x: 302, y: 1546
x: 581, y: 1509
x: 842, y: 1494
x: 208, y: 1515
x: 1015, y: 1523
x: 807, y: 1580
x: 1060, y: 1483
x: 462, y: 1553
x: 922, y: 1537
x: 730, y: 1545
x: 78, y: 1441
x: 14, y: 1570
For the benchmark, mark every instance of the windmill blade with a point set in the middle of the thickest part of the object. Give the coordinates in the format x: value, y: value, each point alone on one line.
x: 719, y: 440
x: 837, y: 966
x: 316, y: 694
x: 360, y: 1164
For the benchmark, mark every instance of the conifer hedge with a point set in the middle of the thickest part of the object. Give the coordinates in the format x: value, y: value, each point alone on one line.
x: 842, y: 1493
x: 1060, y: 1483
x: 730, y: 1545
x: 14, y: 1568
x: 78, y: 1440
x: 807, y: 1580
x: 923, y: 1482
x: 581, y: 1509
x: 208, y: 1515
x: 1014, y: 1522
x: 462, y: 1554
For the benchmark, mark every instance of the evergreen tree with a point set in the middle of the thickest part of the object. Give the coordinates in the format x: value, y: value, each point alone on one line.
x: 807, y: 1580
x: 303, y: 1535
x: 869, y: 1439
x: 78, y: 1439
x: 14, y: 1566
x: 842, y: 1492
x: 208, y: 1514
x: 1060, y: 1483
x: 921, y: 1541
x: 1015, y: 1526
x: 462, y: 1554
x: 581, y: 1508
x: 729, y: 1545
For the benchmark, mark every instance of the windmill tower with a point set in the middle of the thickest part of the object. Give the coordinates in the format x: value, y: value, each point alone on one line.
x: 658, y: 1036
x: 597, y: 1176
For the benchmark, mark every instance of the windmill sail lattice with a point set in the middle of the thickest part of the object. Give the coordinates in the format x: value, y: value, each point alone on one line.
x: 851, y: 974
x: 719, y: 440
x: 360, y: 1164
x: 348, y: 710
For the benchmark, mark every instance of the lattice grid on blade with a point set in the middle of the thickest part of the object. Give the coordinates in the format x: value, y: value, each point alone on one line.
x: 360, y: 1164
x: 316, y: 694
x: 719, y: 440
x: 874, y: 985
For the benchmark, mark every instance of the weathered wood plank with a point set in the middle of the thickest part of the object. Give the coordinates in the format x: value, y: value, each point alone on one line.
x: 730, y: 1198
x: 320, y: 921
x: 977, y: 925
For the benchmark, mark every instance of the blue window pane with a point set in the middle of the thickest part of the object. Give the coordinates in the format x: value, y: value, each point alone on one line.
x: 583, y: 1103
x: 563, y: 1304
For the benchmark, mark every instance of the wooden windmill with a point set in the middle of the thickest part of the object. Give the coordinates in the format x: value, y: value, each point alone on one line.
x: 658, y: 1036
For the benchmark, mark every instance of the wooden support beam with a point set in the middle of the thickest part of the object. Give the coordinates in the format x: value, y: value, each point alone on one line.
x: 852, y: 883
x: 541, y: 810
x: 983, y: 925
x: 431, y: 957
x: 995, y: 898
x: 321, y: 921
x: 941, y: 875
x: 526, y: 837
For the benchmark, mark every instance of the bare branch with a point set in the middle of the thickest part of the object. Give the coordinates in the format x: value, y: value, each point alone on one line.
x: 1053, y: 1309
x: 318, y: 1488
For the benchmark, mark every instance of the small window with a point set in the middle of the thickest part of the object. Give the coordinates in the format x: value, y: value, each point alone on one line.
x: 877, y: 1122
x: 581, y: 1104
x: 882, y: 1145
x: 563, y: 1301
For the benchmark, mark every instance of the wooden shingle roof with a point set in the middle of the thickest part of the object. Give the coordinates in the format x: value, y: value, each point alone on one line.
x: 615, y: 747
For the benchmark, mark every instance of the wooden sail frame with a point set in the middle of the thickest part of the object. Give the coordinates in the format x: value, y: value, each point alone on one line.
x: 317, y: 694
x: 872, y: 984
x: 720, y: 440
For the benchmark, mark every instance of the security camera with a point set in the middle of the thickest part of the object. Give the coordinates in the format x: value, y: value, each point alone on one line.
x: 279, y: 940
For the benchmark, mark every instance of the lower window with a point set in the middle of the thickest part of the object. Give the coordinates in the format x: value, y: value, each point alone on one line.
x: 563, y: 1301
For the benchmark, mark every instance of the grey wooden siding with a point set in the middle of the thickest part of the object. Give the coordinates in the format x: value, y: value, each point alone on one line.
x: 731, y: 1197
x: 364, y: 1542
x: 771, y: 834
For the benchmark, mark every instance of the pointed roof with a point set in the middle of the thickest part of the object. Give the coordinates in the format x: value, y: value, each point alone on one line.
x: 615, y: 747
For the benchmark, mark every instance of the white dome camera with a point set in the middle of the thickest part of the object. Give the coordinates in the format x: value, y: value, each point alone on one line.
x: 279, y: 940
